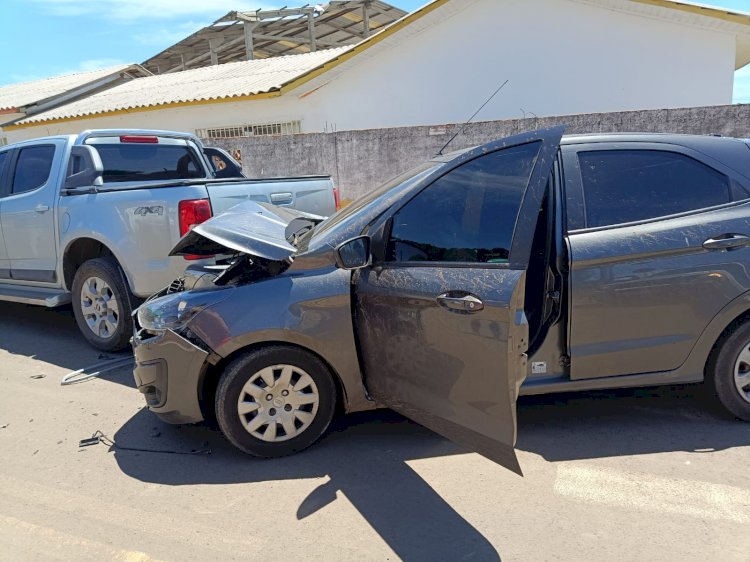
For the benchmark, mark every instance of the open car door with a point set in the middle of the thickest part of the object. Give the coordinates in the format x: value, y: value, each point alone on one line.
x: 440, y: 314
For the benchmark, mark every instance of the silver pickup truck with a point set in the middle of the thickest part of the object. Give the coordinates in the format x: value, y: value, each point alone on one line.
x: 91, y: 219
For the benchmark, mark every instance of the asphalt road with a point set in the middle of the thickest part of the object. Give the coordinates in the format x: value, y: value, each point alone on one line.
x: 629, y: 475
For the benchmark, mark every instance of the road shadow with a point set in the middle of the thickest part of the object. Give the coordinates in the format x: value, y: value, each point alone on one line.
x: 51, y: 335
x: 638, y: 421
x: 364, y: 458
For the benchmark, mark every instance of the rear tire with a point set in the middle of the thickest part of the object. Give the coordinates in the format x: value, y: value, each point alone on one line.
x: 730, y: 373
x: 102, y: 304
x: 275, y: 401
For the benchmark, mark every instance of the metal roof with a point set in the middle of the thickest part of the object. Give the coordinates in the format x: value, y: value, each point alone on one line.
x: 276, y: 75
x: 21, y: 95
x: 270, y: 33
x: 231, y: 81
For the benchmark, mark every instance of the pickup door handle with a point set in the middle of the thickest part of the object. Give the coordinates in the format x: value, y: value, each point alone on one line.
x: 467, y: 303
x: 281, y: 198
x: 727, y: 242
x: 41, y: 208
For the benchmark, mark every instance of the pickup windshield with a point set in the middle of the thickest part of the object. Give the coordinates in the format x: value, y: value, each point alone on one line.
x: 148, y: 162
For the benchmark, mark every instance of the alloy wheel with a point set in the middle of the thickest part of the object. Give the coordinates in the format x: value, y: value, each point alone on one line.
x: 99, y: 307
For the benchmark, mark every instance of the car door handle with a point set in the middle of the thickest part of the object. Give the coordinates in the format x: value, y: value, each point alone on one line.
x: 727, y: 242
x: 41, y: 208
x: 466, y: 303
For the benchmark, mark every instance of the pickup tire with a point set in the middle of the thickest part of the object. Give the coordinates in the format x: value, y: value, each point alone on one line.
x: 730, y: 372
x: 102, y: 304
x: 275, y: 401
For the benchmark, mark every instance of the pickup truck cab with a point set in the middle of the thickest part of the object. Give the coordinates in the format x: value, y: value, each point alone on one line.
x: 529, y: 265
x: 91, y: 218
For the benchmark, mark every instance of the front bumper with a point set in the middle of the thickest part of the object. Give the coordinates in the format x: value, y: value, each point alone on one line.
x: 168, y: 372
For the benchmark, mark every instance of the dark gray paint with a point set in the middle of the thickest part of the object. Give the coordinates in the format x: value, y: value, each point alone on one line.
x: 642, y: 295
x: 645, y: 305
x: 422, y: 358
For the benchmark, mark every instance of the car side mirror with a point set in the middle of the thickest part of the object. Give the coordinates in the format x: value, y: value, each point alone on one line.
x: 354, y: 253
x: 85, y: 168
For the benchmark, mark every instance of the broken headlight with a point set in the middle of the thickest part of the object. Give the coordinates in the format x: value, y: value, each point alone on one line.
x: 175, y: 310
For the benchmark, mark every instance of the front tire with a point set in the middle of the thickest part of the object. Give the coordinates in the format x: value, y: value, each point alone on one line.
x: 730, y: 373
x: 102, y: 304
x: 275, y: 401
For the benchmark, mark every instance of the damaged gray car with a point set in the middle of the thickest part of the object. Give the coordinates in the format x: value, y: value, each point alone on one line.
x: 531, y: 264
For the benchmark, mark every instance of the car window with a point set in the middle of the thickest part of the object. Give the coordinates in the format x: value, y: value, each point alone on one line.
x: 3, y: 159
x: 467, y: 215
x: 147, y: 162
x: 621, y: 186
x: 32, y: 167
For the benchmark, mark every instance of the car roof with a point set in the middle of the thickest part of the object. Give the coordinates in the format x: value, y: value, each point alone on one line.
x: 731, y: 151
x: 670, y: 138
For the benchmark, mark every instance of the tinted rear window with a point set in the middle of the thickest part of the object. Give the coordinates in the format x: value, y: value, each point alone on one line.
x: 623, y: 186
x: 148, y: 162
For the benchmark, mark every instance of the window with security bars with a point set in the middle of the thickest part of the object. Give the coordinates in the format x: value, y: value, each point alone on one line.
x: 265, y: 129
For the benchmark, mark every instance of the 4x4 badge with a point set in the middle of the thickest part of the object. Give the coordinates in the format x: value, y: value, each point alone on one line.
x: 155, y: 210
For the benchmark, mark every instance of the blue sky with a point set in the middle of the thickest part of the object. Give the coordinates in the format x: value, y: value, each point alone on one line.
x: 42, y: 38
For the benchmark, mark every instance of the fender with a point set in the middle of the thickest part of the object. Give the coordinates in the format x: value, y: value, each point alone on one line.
x: 309, y: 310
x: 104, y: 241
x: 695, y: 364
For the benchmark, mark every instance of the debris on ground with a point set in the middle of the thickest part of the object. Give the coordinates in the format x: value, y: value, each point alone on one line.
x: 99, y: 437
x: 82, y: 375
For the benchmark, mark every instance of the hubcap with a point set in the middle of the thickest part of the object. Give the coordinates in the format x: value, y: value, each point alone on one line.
x: 278, y: 403
x: 742, y: 373
x: 99, y: 307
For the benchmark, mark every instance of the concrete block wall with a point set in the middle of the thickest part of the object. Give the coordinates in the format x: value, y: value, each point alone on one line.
x: 361, y: 160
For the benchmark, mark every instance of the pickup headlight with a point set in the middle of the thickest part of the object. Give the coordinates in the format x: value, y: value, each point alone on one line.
x: 174, y: 311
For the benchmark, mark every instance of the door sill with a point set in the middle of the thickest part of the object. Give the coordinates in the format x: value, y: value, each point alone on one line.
x: 549, y: 385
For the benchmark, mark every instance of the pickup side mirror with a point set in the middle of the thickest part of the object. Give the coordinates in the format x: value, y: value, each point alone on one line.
x: 224, y: 166
x: 85, y: 168
x: 354, y: 253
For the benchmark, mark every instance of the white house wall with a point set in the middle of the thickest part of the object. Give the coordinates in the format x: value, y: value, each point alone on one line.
x: 560, y: 57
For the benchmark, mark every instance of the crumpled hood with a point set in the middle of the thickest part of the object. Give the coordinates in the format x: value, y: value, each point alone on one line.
x: 253, y: 228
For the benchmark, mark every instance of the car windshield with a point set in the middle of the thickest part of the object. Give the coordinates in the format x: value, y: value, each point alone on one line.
x: 405, y: 179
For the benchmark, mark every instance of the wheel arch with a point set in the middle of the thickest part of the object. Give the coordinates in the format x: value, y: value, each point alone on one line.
x: 210, y: 377
x: 735, y: 313
x: 85, y: 248
x: 728, y: 330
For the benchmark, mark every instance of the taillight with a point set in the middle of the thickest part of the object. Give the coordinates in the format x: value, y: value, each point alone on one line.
x: 139, y: 139
x: 192, y: 212
x: 336, y: 199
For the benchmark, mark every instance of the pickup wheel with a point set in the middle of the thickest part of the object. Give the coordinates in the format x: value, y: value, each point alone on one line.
x: 730, y: 373
x: 102, y: 304
x: 275, y: 401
